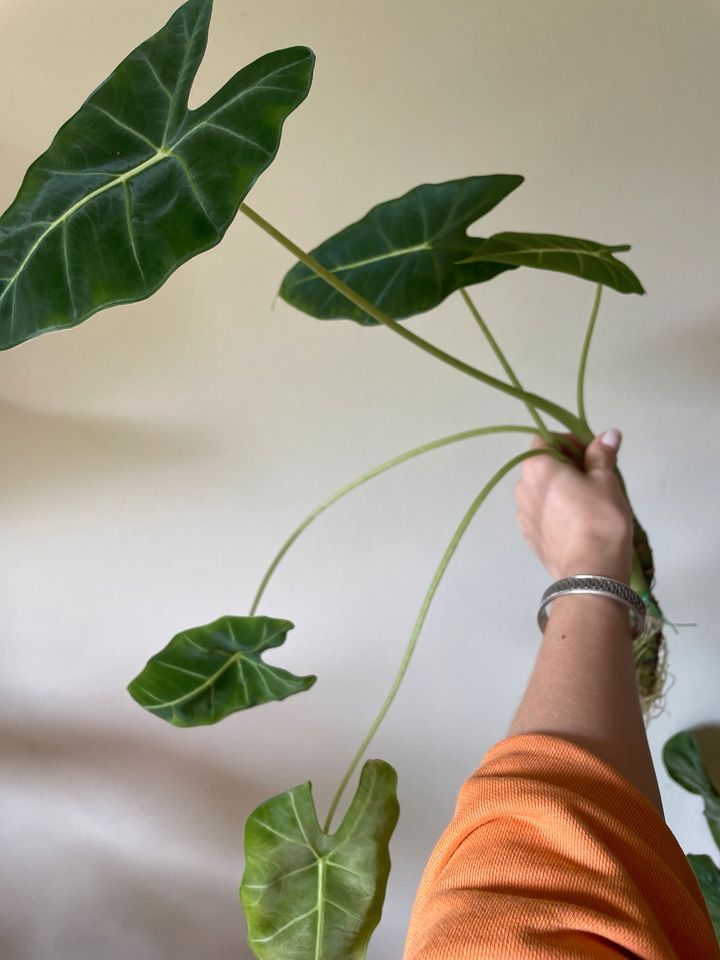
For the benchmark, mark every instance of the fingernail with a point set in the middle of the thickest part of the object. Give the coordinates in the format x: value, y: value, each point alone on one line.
x: 612, y: 439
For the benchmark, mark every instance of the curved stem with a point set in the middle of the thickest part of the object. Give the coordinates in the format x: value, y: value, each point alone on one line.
x: 425, y: 606
x: 568, y: 419
x: 506, y: 366
x: 584, y: 355
x: 638, y: 581
x: 376, y: 471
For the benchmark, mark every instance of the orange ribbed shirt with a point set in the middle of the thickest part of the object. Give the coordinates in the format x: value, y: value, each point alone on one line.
x: 552, y: 853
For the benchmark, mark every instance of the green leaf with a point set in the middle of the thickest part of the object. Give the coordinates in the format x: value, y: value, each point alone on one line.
x: 708, y: 878
x: 549, y: 251
x: 402, y: 256
x: 308, y: 894
x: 134, y: 184
x: 208, y: 672
x: 683, y: 760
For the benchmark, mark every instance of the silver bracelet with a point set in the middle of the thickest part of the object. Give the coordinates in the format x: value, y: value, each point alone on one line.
x: 604, y: 586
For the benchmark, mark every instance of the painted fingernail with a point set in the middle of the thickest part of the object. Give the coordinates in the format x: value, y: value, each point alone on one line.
x: 611, y: 439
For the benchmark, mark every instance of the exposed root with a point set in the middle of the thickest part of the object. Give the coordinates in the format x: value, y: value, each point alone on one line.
x: 651, y: 654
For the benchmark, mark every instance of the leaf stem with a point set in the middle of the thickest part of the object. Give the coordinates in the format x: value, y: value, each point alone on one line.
x: 376, y: 471
x: 425, y: 606
x: 584, y: 355
x: 506, y: 366
x: 638, y: 581
x: 568, y: 419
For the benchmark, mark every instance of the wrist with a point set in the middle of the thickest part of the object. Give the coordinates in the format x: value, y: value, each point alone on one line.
x: 616, y: 568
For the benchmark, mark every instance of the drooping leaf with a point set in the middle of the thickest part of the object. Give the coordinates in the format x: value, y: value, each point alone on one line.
x: 708, y: 878
x: 683, y: 760
x: 402, y: 255
x: 549, y: 251
x: 308, y: 894
x: 134, y: 184
x: 208, y: 672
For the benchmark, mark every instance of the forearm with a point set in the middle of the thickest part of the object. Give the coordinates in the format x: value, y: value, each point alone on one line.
x: 583, y: 686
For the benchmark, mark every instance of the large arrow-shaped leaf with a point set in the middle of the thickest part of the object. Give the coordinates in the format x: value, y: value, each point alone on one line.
x: 310, y: 895
x: 135, y: 184
x: 549, y: 251
x: 208, y: 672
x: 402, y: 256
x: 683, y: 761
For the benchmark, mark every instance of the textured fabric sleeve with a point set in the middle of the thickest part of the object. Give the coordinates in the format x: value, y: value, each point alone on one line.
x: 552, y: 853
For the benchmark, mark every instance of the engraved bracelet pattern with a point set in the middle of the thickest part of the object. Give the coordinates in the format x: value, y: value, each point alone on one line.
x: 603, y: 586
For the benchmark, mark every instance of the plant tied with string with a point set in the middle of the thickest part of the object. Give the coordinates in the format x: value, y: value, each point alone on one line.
x: 132, y: 186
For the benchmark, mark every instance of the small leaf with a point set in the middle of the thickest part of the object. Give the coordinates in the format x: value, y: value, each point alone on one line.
x: 308, y: 894
x: 402, y: 256
x: 134, y: 184
x: 683, y: 760
x: 208, y: 672
x: 549, y: 251
x: 708, y: 878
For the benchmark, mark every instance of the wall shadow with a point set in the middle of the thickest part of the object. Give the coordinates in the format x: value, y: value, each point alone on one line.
x: 139, y: 846
x: 46, y: 450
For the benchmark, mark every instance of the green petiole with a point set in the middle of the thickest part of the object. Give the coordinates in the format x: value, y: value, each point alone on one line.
x: 425, y: 606
x: 376, y: 471
x: 543, y: 430
x: 568, y: 419
x: 584, y: 354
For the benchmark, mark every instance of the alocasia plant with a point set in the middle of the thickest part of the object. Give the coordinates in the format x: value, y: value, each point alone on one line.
x: 132, y: 186
x: 683, y: 760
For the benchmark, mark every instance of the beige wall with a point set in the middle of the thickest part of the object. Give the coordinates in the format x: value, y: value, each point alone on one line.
x: 155, y: 457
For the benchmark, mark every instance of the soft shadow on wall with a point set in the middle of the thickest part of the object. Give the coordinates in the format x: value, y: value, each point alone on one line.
x: 97, y: 797
x: 45, y: 451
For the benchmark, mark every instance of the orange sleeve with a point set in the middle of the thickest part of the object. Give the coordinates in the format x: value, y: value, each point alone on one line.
x: 552, y: 853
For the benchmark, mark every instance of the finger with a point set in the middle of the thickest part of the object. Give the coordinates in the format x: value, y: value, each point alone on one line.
x: 568, y: 440
x: 601, y: 458
x: 573, y: 448
x: 576, y: 440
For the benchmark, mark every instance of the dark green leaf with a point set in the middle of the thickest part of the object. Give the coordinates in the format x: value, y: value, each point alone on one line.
x: 548, y: 251
x: 208, y: 672
x: 402, y: 256
x: 135, y: 184
x: 308, y: 894
x: 683, y: 760
x: 708, y: 878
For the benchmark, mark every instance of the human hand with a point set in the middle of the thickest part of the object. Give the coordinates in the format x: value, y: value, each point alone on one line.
x: 576, y: 521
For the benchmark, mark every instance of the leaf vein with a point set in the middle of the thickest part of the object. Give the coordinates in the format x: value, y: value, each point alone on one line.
x: 302, y: 828
x: 143, y: 56
x: 282, y: 835
x: 130, y: 230
x: 174, y: 666
x: 125, y: 126
x: 239, y: 136
x: 283, y: 876
x: 337, y: 906
x: 284, y: 927
x: 76, y: 206
x: 232, y: 101
x: 364, y: 263
x: 192, y: 185
x: 67, y: 269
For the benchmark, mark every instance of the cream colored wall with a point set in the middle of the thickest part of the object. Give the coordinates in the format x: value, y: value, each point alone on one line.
x: 155, y: 457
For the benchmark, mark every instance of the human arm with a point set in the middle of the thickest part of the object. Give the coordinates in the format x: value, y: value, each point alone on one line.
x: 557, y: 846
x: 583, y: 685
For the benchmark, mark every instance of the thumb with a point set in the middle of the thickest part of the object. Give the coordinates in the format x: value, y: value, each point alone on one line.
x: 601, y: 453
